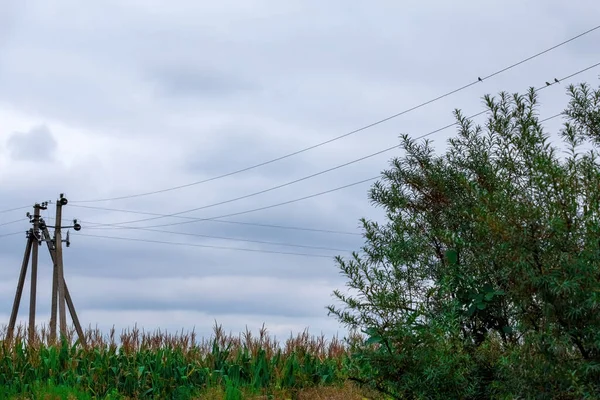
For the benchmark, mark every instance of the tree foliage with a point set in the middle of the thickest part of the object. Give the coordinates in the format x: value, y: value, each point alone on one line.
x: 484, y: 279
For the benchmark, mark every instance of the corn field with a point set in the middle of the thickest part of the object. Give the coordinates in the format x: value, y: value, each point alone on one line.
x: 170, y: 366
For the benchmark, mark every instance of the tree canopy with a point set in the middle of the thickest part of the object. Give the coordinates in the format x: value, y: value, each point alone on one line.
x: 484, y: 279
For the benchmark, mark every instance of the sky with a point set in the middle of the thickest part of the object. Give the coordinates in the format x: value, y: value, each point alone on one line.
x: 118, y: 98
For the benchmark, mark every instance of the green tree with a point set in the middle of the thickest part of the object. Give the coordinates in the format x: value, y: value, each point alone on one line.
x: 484, y: 279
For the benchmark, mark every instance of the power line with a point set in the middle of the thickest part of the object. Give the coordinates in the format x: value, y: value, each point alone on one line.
x: 12, y: 234
x: 284, y: 244
x: 14, y: 209
x: 205, y: 246
x: 160, y: 216
x: 236, y: 239
x: 480, y: 79
x: 289, y: 201
x: 177, y: 214
x: 18, y: 208
x: 192, y: 220
x: 271, y: 226
x: 11, y: 222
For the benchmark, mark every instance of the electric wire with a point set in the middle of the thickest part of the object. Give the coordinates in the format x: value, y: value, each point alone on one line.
x: 96, y: 225
x: 14, y: 209
x: 284, y: 244
x: 204, y: 246
x: 177, y: 214
x: 479, y: 79
x: 11, y: 222
x: 192, y: 220
x: 12, y: 234
x: 254, y: 193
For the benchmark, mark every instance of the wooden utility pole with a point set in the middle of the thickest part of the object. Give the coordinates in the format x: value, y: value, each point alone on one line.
x: 69, y: 301
x: 59, y: 265
x: 34, y: 269
x: 53, y: 310
x: 31, y: 251
x: 60, y: 292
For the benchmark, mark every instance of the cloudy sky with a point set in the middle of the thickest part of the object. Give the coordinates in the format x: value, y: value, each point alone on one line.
x: 117, y: 98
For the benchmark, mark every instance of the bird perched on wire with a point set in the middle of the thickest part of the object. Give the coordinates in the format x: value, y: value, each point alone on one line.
x: 556, y: 80
x: 548, y: 83
x: 480, y: 80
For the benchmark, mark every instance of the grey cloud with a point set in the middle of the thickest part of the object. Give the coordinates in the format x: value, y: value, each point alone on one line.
x: 9, y: 18
x: 237, y: 148
x: 220, y: 295
x: 158, y: 260
x: 187, y: 81
x: 223, y: 295
x: 38, y: 145
x: 226, y: 307
x: 190, y: 90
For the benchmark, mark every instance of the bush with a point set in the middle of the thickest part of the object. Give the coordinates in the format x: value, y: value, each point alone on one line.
x: 484, y: 280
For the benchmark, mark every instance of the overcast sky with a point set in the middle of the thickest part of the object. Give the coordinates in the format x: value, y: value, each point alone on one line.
x: 114, y: 98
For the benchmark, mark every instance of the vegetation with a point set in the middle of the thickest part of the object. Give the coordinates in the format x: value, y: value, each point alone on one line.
x: 167, y: 366
x: 484, y: 280
x: 482, y: 283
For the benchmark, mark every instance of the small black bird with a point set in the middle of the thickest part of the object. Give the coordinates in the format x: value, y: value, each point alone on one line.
x: 479, y: 79
x: 548, y: 83
x: 556, y: 80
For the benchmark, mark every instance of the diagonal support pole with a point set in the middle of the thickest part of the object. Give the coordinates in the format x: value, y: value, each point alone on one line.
x: 20, y: 284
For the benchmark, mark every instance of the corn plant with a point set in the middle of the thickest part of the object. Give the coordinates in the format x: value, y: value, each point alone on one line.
x: 161, y: 365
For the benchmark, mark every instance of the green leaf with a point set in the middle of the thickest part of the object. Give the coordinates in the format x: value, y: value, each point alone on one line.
x: 371, y: 331
x: 374, y: 339
x: 452, y: 256
x: 471, y: 310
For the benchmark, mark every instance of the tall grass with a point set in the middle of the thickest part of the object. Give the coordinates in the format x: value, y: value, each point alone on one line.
x: 160, y: 365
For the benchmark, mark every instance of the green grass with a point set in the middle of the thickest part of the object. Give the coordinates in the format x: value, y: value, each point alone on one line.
x: 345, y: 391
x: 48, y: 391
